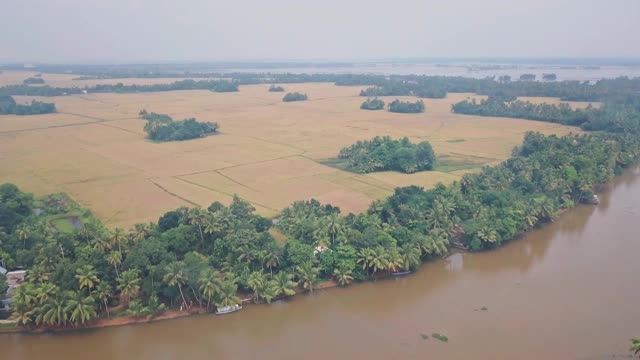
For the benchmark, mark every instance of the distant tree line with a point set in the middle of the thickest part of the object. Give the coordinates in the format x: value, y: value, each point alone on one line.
x: 384, y: 153
x: 372, y: 104
x: 161, y: 127
x: 274, y: 88
x: 398, y: 106
x: 611, y: 117
x: 213, y: 85
x: 294, y: 96
x: 8, y: 106
x: 33, y: 81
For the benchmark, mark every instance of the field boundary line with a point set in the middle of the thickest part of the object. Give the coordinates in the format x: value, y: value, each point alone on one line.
x: 172, y: 194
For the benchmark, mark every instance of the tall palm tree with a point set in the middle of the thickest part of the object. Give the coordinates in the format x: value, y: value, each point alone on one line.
x: 334, y: 227
x: 343, y: 275
x: 23, y: 233
x: 114, y: 258
x: 364, y: 257
x: 271, y: 259
x: 44, y: 292
x: 101, y: 243
x: 227, y: 295
x: 81, y: 308
x: 410, y: 256
x: 176, y: 276
x: 270, y: 291
x: 54, y: 312
x: 308, y: 275
x: 87, y: 277
x: 129, y: 284
x: 117, y: 238
x: 393, y: 260
x: 198, y: 217
x: 210, y: 282
x: 102, y: 294
x: 140, y: 232
x: 257, y: 282
x: 38, y: 273
x: 284, y: 284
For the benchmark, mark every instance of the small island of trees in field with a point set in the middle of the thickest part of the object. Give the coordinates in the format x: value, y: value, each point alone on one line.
x: 8, y: 106
x: 384, y: 153
x: 294, y: 96
x: 276, y: 88
x: 406, y: 107
x: 33, y: 81
x: 372, y: 104
x: 161, y: 127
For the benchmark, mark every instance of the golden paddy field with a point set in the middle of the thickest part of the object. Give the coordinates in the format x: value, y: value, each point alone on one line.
x: 268, y: 152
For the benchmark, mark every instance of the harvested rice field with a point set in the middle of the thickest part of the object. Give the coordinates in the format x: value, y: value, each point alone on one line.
x: 268, y: 152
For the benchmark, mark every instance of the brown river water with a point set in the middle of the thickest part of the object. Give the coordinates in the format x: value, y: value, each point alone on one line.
x: 570, y: 290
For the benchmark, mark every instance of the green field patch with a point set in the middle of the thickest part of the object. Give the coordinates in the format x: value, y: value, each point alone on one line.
x: 453, y: 141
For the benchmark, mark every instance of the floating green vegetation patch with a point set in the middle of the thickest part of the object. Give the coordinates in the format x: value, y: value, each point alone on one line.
x: 440, y: 337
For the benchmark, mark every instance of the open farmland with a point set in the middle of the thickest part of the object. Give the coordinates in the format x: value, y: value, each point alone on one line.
x: 268, y: 152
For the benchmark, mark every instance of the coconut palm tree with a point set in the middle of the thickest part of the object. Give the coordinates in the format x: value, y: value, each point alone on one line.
x: 81, y: 308
x: 227, y: 295
x: 334, y: 227
x: 87, y: 277
x: 271, y: 259
x: 114, y: 258
x: 364, y: 257
x: 284, y: 284
x: 343, y: 275
x: 38, y: 273
x: 198, y: 217
x: 54, y: 312
x: 140, y: 232
x: 270, y: 291
x: 308, y: 275
x: 410, y: 256
x: 375, y: 259
x: 23, y: 233
x: 393, y: 260
x: 176, y: 276
x: 102, y: 294
x: 44, y: 292
x: 117, y: 238
x: 101, y: 243
x: 210, y: 282
x: 129, y: 284
x: 257, y: 282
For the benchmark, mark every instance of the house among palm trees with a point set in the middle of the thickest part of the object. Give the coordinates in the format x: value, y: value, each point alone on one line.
x: 320, y: 249
x: 14, y: 279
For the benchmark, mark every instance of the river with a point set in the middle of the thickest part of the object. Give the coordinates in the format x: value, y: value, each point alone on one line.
x: 570, y: 290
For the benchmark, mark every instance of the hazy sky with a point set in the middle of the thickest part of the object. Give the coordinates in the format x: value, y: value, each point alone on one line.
x: 197, y: 30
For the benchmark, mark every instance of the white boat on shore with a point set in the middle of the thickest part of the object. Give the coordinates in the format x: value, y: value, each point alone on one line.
x: 228, y: 309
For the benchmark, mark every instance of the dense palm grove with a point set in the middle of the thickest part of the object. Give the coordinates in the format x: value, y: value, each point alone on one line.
x: 398, y: 106
x: 384, y: 153
x: 8, y: 106
x: 619, y: 116
x: 294, y: 96
x: 189, y: 84
x: 33, y: 81
x: 275, y: 88
x: 161, y: 127
x: 372, y: 104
